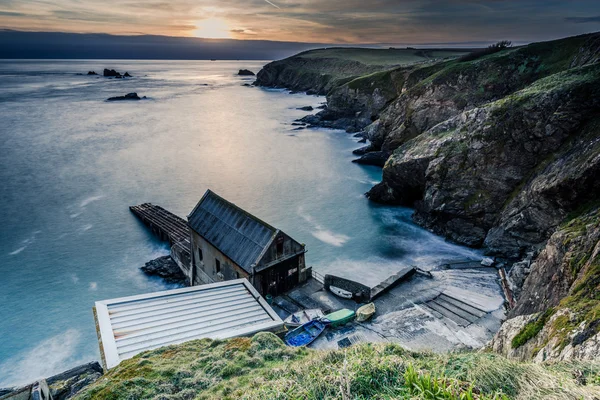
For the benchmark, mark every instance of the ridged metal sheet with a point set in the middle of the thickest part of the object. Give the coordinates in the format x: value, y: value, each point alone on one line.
x: 233, y: 231
x: 222, y: 310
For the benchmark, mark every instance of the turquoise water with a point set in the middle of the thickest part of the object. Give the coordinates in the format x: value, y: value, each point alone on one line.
x: 71, y: 164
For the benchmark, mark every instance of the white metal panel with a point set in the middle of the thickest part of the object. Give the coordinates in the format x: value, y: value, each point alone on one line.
x: 130, y: 325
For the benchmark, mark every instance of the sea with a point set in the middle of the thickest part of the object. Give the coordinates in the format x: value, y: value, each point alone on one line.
x: 72, y: 163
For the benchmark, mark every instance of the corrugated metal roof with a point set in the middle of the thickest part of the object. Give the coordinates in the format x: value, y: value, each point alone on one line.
x: 130, y: 325
x: 236, y: 233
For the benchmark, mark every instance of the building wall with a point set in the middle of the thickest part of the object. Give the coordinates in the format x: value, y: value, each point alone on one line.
x: 282, y: 247
x: 205, y: 266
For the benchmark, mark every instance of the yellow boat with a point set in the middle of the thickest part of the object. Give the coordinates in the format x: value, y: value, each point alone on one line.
x: 365, y: 312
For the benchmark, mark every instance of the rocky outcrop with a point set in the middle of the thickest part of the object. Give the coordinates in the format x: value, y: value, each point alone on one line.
x: 245, y: 72
x: 167, y: 269
x: 564, y: 283
x: 92, y: 73
x: 67, y: 384
x: 460, y: 173
x: 560, y: 184
x: 303, y: 73
x: 128, y: 96
x: 111, y: 73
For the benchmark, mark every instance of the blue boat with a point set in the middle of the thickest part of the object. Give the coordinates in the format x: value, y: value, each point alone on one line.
x: 305, y: 334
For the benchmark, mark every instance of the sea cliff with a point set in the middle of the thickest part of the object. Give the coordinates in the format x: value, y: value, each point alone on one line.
x: 497, y: 150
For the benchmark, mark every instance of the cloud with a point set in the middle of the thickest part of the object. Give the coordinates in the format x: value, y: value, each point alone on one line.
x: 332, y: 21
x: 583, y: 20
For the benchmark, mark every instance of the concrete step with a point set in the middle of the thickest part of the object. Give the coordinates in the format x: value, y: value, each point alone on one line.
x: 448, y: 314
x: 461, y: 304
x: 456, y: 310
x: 431, y: 311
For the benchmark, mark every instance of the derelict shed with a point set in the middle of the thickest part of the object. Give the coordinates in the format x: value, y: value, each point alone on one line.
x: 228, y: 242
x: 130, y: 325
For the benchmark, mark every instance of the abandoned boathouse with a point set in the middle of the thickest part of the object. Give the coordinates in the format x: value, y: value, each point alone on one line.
x: 220, y: 241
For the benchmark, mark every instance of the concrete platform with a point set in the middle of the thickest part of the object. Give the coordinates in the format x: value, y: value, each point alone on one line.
x: 457, y: 307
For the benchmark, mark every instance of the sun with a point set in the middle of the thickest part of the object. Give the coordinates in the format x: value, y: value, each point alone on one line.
x: 212, y: 28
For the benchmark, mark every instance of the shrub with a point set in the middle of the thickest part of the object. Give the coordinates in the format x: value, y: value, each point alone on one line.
x: 474, y: 55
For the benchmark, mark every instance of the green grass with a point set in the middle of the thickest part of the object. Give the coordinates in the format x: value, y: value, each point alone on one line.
x: 531, y: 329
x: 384, y: 57
x: 264, y: 368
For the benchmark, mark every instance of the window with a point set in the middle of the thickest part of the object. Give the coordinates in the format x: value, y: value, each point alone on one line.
x: 217, y: 265
x: 279, y: 246
x: 200, y: 256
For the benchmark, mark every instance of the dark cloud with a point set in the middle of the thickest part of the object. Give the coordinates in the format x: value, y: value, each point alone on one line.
x: 583, y: 20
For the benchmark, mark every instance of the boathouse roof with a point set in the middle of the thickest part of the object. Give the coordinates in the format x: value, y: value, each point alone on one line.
x: 236, y: 233
x: 129, y: 325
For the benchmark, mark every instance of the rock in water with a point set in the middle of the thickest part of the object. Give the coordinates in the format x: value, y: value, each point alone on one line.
x: 128, y: 96
x: 112, y: 73
x: 127, y: 75
x: 245, y: 72
x: 167, y: 269
x: 305, y: 108
x: 92, y: 73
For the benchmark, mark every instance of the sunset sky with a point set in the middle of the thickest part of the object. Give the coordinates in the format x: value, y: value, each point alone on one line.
x: 324, y: 21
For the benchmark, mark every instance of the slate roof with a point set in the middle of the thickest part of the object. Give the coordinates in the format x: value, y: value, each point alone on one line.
x: 236, y: 233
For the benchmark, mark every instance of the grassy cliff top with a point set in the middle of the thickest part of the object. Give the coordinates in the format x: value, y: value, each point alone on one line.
x: 264, y: 368
x: 382, y: 57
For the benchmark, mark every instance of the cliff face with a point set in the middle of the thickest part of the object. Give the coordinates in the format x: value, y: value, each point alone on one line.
x: 500, y: 152
x: 316, y: 75
x: 461, y: 173
x: 558, y: 313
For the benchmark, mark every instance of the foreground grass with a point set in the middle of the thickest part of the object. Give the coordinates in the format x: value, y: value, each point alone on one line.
x: 264, y: 368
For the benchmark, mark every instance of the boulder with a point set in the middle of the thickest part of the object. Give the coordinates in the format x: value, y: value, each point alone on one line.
x: 92, y: 73
x: 126, y: 75
x: 111, y: 73
x: 305, y: 108
x: 167, y: 269
x: 245, y: 72
x: 128, y: 96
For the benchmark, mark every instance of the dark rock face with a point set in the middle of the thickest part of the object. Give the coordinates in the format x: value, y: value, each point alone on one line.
x: 167, y: 269
x: 306, y: 108
x: 128, y: 96
x: 111, y: 73
x: 92, y: 73
x: 377, y: 158
x: 67, y: 384
x: 245, y: 72
x: 460, y: 173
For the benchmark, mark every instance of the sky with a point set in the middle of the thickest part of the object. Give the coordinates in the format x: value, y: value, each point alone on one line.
x: 322, y: 21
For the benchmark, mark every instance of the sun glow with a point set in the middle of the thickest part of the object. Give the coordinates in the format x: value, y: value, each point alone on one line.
x: 212, y: 28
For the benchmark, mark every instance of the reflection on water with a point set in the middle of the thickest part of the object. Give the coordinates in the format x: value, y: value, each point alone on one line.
x: 73, y: 163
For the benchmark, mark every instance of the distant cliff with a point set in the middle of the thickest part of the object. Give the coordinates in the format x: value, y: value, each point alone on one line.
x: 499, y: 151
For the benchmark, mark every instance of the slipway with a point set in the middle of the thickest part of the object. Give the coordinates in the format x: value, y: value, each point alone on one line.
x: 130, y: 325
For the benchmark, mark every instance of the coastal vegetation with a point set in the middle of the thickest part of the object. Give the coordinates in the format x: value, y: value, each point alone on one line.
x: 263, y: 367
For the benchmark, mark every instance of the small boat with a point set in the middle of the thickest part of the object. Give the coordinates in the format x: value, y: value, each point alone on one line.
x: 340, y: 292
x: 305, y: 334
x: 365, y: 312
x: 302, y: 317
x: 340, y: 317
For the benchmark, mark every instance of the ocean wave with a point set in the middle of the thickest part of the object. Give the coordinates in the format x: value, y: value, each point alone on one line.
x: 49, y: 357
x: 89, y: 200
